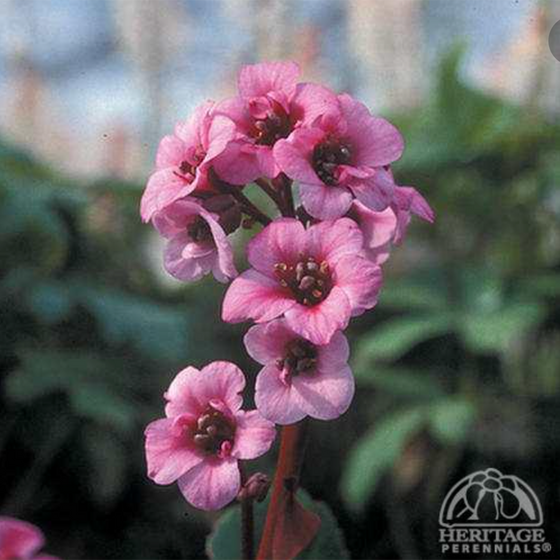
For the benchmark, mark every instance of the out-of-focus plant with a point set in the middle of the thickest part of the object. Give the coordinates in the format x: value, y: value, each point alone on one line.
x: 465, y: 365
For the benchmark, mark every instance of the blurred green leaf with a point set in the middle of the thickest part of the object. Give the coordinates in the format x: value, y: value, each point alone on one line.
x: 224, y: 542
x: 375, y: 453
x: 394, y: 338
x: 450, y: 420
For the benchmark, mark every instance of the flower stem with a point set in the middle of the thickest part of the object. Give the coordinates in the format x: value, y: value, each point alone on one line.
x: 247, y: 529
x: 286, y: 478
x: 275, y: 195
x: 284, y: 186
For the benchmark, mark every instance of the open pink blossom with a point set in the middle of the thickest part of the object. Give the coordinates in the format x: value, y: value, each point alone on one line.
x: 299, y: 378
x: 204, y: 435
x: 184, y: 157
x: 20, y: 540
x: 196, y: 245
x: 342, y: 157
x: 270, y: 105
x: 317, y: 278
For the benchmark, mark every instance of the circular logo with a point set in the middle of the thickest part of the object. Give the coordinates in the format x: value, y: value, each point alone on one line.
x: 554, y: 41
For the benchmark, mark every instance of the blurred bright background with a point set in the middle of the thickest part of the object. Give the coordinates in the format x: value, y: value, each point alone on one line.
x: 458, y: 367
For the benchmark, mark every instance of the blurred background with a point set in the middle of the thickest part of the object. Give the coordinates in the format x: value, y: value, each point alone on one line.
x: 458, y: 367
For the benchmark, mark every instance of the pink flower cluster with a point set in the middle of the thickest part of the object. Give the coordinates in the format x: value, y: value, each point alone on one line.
x: 312, y: 268
x: 20, y: 540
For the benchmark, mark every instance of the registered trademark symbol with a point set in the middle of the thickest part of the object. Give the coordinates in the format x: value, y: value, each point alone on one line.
x: 547, y: 547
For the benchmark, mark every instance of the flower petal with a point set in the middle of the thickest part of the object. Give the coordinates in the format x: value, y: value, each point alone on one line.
x: 327, y: 394
x: 375, y: 192
x: 212, y: 484
x: 256, y: 80
x: 331, y: 241
x: 294, y: 154
x: 253, y: 435
x: 333, y: 354
x: 319, y: 323
x: 170, y: 152
x: 266, y: 343
x: 325, y: 202
x: 19, y: 539
x: 274, y: 399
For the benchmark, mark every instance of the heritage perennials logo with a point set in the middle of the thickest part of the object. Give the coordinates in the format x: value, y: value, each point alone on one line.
x: 488, y: 512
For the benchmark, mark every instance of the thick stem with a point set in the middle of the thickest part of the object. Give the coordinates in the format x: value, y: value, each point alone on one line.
x: 284, y: 186
x: 275, y: 195
x: 247, y: 529
x: 286, y: 479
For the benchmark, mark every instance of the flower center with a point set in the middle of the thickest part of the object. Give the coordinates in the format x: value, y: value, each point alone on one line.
x: 273, y: 127
x: 309, y: 281
x: 300, y: 357
x: 212, y: 430
x: 327, y: 156
x: 199, y: 230
x: 188, y: 169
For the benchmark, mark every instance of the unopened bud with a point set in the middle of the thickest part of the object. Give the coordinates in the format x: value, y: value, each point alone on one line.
x: 256, y: 488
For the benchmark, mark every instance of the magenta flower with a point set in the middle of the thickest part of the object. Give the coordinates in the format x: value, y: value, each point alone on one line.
x: 197, y: 243
x: 299, y: 378
x: 342, y: 157
x: 205, y: 434
x: 20, y: 540
x: 409, y: 201
x: 270, y: 105
x: 317, y: 278
x: 183, y: 159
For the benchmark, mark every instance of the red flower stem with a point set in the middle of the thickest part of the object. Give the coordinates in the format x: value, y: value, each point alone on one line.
x: 284, y: 186
x: 247, y: 522
x: 286, y: 479
x: 271, y: 192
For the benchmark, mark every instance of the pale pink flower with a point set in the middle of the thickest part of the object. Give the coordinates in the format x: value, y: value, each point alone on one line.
x: 184, y: 157
x: 299, y: 378
x: 205, y: 434
x: 342, y: 157
x: 20, y: 540
x: 317, y: 278
x: 270, y: 105
x: 196, y: 245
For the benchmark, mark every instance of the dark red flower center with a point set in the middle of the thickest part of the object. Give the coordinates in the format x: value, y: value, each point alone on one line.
x: 309, y: 281
x: 188, y: 169
x: 212, y: 430
x: 327, y: 156
x: 199, y: 230
x: 300, y: 357
x: 273, y: 127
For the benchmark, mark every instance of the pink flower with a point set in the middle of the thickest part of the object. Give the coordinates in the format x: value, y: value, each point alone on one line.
x: 269, y: 106
x: 299, y: 378
x: 183, y: 159
x: 317, y: 278
x: 382, y: 230
x: 340, y: 157
x: 197, y: 243
x: 205, y: 434
x: 20, y: 540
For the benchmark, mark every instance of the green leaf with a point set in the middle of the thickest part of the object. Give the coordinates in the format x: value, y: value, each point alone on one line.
x: 224, y: 542
x: 376, y: 452
x: 450, y: 420
x: 396, y: 337
x: 400, y: 382
x: 421, y: 291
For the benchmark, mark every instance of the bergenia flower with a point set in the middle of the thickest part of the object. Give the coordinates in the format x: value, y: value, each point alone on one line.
x: 183, y: 159
x: 299, y: 378
x: 341, y: 157
x: 317, y: 278
x: 20, y: 540
x: 196, y: 245
x: 205, y: 434
x: 270, y: 105
x: 409, y: 201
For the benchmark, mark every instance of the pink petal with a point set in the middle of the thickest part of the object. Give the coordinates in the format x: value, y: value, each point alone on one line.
x: 220, y: 132
x: 361, y: 281
x: 410, y: 199
x: 294, y: 154
x: 168, y: 454
x: 319, y: 323
x: 310, y: 102
x: 225, y: 263
x: 331, y: 241
x: 163, y: 188
x: 191, y: 130
x: 375, y: 192
x: 375, y: 141
x: 267, y: 164
x: 191, y: 390
x: 335, y: 353
x: 325, y: 202
x: 19, y: 539
x: 282, y: 241
x: 186, y: 260
x: 212, y: 484
x: 253, y: 435
x: 274, y: 399
x: 170, y: 152
x: 378, y: 227
x: 327, y: 394
x: 253, y: 295
x: 174, y: 219
x: 238, y: 164
x: 266, y: 343
x: 256, y: 80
